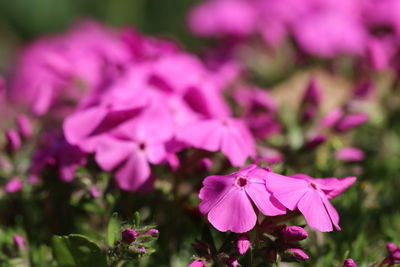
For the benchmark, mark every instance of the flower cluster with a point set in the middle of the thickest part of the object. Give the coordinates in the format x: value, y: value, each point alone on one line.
x: 323, y: 28
x: 227, y: 200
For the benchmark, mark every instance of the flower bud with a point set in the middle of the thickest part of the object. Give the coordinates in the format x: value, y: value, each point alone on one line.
x: 298, y: 254
x: 351, y: 121
x: 14, y: 185
x: 94, y: 192
x: 13, y: 140
x: 312, y: 94
x: 315, y: 141
x: 129, y: 235
x: 243, y: 244
x: 19, y: 241
x: 349, y: 263
x: 293, y: 233
x: 205, y: 164
x: 350, y: 154
x: 152, y: 232
x: 24, y: 126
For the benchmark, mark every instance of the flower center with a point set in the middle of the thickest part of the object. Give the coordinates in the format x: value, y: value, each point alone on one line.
x: 314, y: 185
x: 142, y: 146
x: 241, y: 181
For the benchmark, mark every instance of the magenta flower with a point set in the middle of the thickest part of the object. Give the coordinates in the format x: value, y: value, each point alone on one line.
x: 349, y: 263
x: 351, y: 154
x: 243, y: 244
x: 197, y: 263
x: 227, y: 199
x: 394, y: 255
x: 228, y: 135
x: 19, y: 241
x: 310, y: 196
x: 14, y: 185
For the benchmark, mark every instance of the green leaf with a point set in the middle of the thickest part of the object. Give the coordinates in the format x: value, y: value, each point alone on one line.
x: 77, y: 251
x: 136, y: 218
x: 112, y: 229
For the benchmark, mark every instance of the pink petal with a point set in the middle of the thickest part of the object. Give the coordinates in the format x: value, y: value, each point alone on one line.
x: 110, y: 152
x: 313, y: 209
x: 79, y: 125
x: 333, y: 187
x: 264, y: 201
x: 287, y: 190
x: 203, y: 134
x: 333, y: 214
x: 214, y: 189
x: 134, y: 173
x: 155, y: 153
x: 234, y: 213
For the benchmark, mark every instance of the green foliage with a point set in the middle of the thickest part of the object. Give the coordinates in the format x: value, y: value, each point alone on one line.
x: 77, y: 251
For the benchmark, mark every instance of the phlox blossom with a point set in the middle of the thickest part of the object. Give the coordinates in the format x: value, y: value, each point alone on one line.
x: 311, y: 196
x: 227, y: 199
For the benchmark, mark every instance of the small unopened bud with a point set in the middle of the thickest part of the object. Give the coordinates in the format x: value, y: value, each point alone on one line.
x: 391, y: 247
x: 24, y: 126
x: 349, y: 263
x: 141, y: 250
x: 298, y: 254
x: 152, y: 232
x: 315, y: 141
x: 94, y: 192
x: 13, y: 140
x: 312, y: 94
x: 205, y: 164
x: 350, y: 154
x: 14, y: 185
x: 19, y: 241
x: 294, y: 233
x: 243, y: 244
x: 129, y: 235
x: 351, y: 121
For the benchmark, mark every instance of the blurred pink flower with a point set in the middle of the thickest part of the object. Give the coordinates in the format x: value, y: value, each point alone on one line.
x: 14, y: 185
x: 223, y: 18
x: 227, y: 199
x: 351, y: 121
x: 310, y: 196
x: 351, y: 154
x: 19, y: 241
x: 13, y: 140
x: 228, y: 135
x: 24, y: 126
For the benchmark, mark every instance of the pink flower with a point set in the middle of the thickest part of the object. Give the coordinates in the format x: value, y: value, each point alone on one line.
x: 351, y: 154
x: 19, y: 241
x: 94, y: 192
x: 197, y: 263
x: 227, y: 199
x: 243, y: 244
x: 229, y: 135
x: 310, y: 196
x: 14, y: 185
